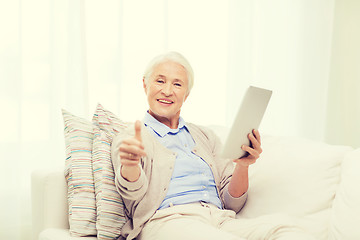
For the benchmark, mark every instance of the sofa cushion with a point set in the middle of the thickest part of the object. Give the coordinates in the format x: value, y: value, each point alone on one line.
x: 294, y: 176
x: 78, y: 173
x: 345, y: 217
x: 109, y: 205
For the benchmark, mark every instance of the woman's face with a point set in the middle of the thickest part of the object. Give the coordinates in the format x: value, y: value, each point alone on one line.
x: 166, y: 91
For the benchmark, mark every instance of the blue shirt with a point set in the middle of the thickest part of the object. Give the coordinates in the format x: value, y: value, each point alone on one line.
x: 192, y: 179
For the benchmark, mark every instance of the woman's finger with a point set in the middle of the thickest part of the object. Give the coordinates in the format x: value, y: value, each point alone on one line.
x: 251, y: 151
x: 254, y: 142
x: 257, y: 135
x: 132, y: 149
x: 129, y: 156
x: 128, y: 162
x: 133, y: 141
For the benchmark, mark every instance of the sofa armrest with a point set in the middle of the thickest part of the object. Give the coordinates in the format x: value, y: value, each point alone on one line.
x: 49, y: 200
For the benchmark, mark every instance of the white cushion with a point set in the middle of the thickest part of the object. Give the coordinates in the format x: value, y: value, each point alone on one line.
x: 346, y: 208
x: 294, y: 176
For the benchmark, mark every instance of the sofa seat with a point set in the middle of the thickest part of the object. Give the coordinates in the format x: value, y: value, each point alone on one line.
x: 60, y: 234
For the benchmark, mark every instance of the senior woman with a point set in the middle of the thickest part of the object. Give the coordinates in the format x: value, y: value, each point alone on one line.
x: 170, y: 176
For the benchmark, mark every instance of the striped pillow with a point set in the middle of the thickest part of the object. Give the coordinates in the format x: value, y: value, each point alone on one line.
x: 109, y: 205
x: 78, y: 173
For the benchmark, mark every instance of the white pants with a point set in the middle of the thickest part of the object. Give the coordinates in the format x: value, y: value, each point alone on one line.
x: 200, y: 221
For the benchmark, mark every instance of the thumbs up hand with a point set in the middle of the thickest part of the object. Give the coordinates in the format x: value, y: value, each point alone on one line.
x: 131, y: 150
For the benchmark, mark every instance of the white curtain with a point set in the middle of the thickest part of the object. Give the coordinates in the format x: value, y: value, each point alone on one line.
x: 73, y: 54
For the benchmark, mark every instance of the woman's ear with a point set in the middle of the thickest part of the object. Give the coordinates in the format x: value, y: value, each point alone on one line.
x: 186, y: 96
x: 144, y: 85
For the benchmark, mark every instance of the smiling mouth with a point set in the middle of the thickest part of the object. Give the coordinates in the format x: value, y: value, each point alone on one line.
x: 164, y: 101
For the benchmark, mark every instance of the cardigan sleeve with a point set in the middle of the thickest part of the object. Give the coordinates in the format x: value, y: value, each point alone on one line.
x: 127, y: 190
x: 235, y: 204
x: 226, y: 168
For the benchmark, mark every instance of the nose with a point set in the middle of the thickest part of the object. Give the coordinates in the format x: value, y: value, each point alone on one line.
x: 167, y: 89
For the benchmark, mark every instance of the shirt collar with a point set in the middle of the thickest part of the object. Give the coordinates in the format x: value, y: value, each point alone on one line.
x: 160, y: 128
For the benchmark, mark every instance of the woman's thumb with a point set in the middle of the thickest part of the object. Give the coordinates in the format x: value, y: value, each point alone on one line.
x: 138, y: 130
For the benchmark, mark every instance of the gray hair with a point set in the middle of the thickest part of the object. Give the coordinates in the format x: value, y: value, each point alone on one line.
x: 174, y: 57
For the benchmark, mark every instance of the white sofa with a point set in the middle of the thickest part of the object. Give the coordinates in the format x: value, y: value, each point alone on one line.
x: 315, y: 184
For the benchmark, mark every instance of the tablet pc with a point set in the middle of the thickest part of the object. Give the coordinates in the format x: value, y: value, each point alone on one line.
x: 249, y: 116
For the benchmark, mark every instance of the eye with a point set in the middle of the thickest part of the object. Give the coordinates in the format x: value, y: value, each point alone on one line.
x: 178, y: 84
x: 160, y: 80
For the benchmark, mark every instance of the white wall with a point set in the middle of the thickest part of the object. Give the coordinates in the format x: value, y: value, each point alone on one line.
x: 343, y: 126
